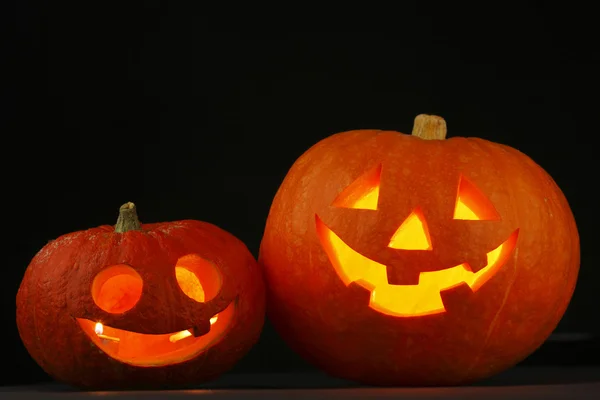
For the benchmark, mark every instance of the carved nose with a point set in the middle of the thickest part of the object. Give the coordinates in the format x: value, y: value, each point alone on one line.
x: 412, y: 234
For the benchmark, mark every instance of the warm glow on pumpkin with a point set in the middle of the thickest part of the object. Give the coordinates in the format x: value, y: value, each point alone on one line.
x: 154, y: 350
x: 423, y: 298
x: 472, y: 204
x: 198, y: 278
x: 412, y: 234
x: 462, y: 266
x: 461, y: 211
x: 363, y: 193
x: 189, y: 284
x: 118, y: 288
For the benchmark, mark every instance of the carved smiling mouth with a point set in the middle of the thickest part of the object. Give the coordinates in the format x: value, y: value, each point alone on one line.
x: 407, y: 300
x: 148, y: 350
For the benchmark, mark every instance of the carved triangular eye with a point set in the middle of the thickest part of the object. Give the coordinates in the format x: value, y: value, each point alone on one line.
x: 363, y: 193
x: 472, y: 204
x: 412, y: 234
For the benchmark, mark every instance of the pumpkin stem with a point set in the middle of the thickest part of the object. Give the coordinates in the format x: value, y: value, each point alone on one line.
x: 429, y: 127
x: 128, y: 219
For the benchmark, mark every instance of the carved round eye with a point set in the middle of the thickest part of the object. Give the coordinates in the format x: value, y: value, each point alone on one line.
x: 117, y: 289
x: 198, y: 278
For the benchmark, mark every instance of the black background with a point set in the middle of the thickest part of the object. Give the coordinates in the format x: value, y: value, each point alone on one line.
x: 193, y: 118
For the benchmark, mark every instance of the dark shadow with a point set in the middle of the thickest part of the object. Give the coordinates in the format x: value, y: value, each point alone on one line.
x: 518, y: 376
x: 551, y: 375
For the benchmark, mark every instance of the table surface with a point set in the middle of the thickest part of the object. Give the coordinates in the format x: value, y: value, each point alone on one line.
x: 517, y: 383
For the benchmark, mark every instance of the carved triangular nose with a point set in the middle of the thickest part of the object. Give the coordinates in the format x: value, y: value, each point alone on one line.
x: 412, y: 234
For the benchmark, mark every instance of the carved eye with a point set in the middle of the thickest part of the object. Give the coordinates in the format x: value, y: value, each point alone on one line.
x: 117, y: 288
x: 363, y: 193
x: 198, y: 278
x: 412, y: 234
x: 472, y: 204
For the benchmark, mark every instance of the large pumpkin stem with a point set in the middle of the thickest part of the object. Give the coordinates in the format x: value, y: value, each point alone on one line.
x: 429, y: 127
x: 128, y: 219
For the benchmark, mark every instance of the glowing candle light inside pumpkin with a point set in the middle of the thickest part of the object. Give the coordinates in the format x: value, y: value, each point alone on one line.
x: 99, y: 329
x: 179, y: 335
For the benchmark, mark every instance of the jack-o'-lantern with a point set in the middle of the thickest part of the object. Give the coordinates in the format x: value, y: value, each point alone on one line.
x: 141, y: 305
x: 396, y: 259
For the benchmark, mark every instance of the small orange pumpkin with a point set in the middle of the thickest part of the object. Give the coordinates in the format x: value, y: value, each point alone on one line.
x: 141, y: 305
x: 397, y: 259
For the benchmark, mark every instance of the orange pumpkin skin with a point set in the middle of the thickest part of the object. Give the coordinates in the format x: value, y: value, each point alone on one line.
x: 480, y: 333
x: 55, y: 293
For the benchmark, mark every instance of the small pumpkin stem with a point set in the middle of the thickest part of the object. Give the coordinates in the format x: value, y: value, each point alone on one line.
x: 128, y: 219
x: 429, y: 127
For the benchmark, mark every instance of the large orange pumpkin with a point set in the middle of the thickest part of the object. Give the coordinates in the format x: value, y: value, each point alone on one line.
x: 141, y: 305
x: 396, y: 259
